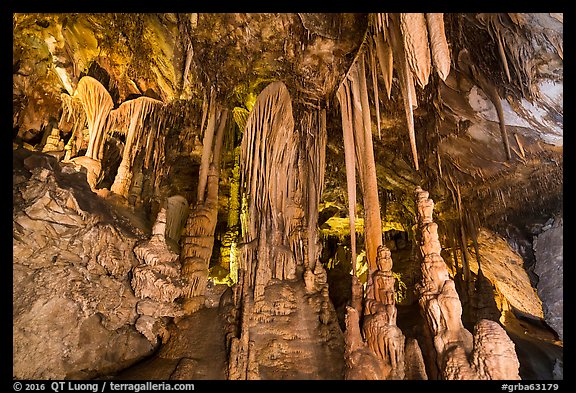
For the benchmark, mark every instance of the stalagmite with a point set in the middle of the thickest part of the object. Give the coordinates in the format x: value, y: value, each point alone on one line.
x: 382, y: 335
x: 157, y: 280
x: 415, y: 38
x: 361, y: 362
x: 459, y: 355
x: 438, y: 44
x: 53, y: 142
x: 130, y: 119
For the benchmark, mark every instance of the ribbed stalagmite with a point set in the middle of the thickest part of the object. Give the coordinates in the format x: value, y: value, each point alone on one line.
x: 459, y: 355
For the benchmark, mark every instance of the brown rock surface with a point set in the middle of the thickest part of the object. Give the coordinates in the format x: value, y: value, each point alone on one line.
x: 74, y: 310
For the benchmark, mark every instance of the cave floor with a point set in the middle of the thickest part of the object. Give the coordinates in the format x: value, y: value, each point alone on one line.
x: 195, y: 351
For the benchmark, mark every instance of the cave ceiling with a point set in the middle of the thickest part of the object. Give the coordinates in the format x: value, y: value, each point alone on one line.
x: 183, y: 58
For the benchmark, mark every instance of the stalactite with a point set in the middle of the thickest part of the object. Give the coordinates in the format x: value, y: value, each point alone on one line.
x: 467, y: 66
x: 365, y: 161
x: 383, y: 337
x: 343, y: 95
x: 176, y: 214
x: 198, y: 237
x: 269, y: 148
x: 438, y: 44
x: 520, y: 147
x: 407, y: 86
x: 129, y: 119
x: 97, y: 104
x: 503, y: 56
x: 385, y: 58
x: 415, y: 38
x: 207, y: 148
x: 72, y: 112
x: 316, y: 162
x: 375, y: 85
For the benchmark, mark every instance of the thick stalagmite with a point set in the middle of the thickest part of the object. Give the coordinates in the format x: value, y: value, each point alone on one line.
x: 459, y: 355
x: 158, y: 282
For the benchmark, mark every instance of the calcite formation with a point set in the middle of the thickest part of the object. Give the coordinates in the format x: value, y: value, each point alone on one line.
x: 284, y: 325
x: 53, y: 142
x: 459, y: 354
x: 158, y: 282
x: 74, y: 311
x: 384, y: 338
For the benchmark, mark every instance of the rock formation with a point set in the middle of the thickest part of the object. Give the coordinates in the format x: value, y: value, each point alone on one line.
x: 53, y: 142
x: 74, y: 311
x: 285, y: 326
x: 129, y: 119
x: 549, y: 252
x: 440, y: 304
x: 384, y: 338
x: 198, y: 237
x: 139, y: 107
x: 158, y: 282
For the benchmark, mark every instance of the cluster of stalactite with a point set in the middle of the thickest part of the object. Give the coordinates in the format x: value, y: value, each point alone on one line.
x: 281, y: 178
x: 129, y: 120
x: 198, y: 237
x: 142, y: 121
x: 456, y: 353
x: 410, y: 43
x: 381, y: 336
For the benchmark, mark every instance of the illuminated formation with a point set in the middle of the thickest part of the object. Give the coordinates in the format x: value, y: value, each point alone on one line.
x: 459, y: 355
x: 240, y: 196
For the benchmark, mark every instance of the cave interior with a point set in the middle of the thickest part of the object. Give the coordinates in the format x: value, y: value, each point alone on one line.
x: 288, y: 196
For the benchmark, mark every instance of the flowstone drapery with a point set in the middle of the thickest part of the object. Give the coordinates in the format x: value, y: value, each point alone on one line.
x: 283, y: 312
x: 129, y: 119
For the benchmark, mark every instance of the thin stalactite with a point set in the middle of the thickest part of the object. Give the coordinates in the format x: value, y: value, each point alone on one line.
x: 349, y: 157
x: 207, y: 148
